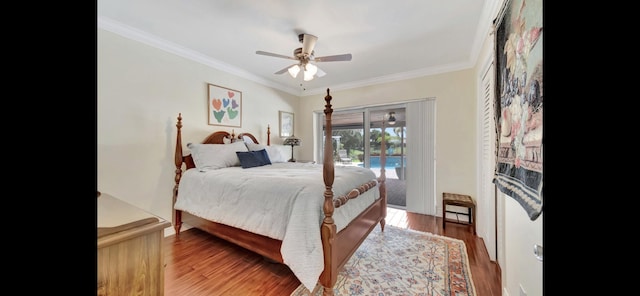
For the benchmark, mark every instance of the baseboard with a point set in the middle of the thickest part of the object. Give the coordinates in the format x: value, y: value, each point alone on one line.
x: 169, y: 231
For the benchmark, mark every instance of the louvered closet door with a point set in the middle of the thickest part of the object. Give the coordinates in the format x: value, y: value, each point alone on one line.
x: 487, y: 220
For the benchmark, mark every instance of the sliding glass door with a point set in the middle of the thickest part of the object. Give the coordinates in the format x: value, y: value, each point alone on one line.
x: 359, y: 146
x: 388, y: 125
x: 410, y: 167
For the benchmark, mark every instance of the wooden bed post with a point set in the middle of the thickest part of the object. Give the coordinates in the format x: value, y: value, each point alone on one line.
x: 383, y: 177
x: 268, y: 135
x: 177, y: 215
x: 328, y: 229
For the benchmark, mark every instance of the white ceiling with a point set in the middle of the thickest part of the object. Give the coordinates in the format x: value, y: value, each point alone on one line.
x: 389, y: 40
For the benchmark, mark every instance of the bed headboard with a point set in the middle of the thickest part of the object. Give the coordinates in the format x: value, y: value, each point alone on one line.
x: 219, y: 137
x: 222, y: 137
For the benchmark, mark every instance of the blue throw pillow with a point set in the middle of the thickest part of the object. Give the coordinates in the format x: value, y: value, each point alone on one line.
x: 252, y: 159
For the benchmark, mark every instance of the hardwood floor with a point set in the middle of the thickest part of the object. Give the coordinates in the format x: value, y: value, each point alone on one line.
x: 201, y: 264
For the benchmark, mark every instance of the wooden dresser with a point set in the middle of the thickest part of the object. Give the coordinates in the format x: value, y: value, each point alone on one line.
x: 130, y: 256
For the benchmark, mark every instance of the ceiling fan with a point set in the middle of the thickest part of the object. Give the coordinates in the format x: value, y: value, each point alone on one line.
x: 305, y: 55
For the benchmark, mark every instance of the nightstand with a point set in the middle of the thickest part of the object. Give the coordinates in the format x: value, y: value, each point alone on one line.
x: 130, y: 257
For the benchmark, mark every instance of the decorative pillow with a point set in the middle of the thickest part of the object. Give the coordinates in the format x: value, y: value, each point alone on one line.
x: 216, y: 156
x: 252, y: 159
x: 277, y: 153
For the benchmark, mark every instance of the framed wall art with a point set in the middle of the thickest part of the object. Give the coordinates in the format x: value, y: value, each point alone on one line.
x: 225, y: 106
x: 286, y: 124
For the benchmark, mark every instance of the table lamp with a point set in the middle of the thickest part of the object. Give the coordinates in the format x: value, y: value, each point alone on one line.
x: 291, y: 141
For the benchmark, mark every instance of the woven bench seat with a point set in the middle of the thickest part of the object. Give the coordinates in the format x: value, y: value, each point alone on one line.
x: 460, y: 200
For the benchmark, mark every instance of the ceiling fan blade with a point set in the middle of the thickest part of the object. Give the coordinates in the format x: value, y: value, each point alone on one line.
x: 320, y: 73
x: 275, y: 55
x: 308, y: 43
x: 284, y: 70
x: 334, y: 58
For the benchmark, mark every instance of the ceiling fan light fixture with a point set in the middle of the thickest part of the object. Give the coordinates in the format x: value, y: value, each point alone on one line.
x: 311, y: 69
x: 304, y: 55
x: 392, y: 118
x: 308, y: 76
x: 293, y: 71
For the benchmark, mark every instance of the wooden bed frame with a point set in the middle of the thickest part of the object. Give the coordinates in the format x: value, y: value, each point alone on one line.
x: 337, y: 246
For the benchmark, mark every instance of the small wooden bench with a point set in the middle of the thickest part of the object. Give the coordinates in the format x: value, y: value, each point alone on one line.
x: 453, y: 199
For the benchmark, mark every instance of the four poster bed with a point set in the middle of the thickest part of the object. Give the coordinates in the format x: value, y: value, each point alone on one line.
x: 280, y: 209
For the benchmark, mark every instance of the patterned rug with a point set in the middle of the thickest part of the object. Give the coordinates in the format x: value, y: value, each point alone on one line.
x: 404, y: 262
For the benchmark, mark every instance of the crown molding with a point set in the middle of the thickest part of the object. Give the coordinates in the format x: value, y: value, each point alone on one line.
x: 393, y: 77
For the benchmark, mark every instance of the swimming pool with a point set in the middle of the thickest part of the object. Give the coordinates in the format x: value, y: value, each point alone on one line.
x: 390, y: 162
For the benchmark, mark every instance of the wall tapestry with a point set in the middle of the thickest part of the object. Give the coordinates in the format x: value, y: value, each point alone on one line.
x: 225, y: 106
x: 519, y: 110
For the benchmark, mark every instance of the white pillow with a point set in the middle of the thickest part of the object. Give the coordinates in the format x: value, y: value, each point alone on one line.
x: 277, y: 153
x: 216, y: 156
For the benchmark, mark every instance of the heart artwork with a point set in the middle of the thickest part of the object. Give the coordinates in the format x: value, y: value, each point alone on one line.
x: 231, y: 94
x: 234, y: 104
x: 216, y: 103
x: 218, y: 115
x: 232, y: 113
x: 225, y: 103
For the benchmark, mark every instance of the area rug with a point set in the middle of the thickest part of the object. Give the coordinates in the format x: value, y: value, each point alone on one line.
x: 404, y: 262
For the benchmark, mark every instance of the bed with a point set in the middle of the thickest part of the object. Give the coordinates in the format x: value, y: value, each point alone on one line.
x: 280, y: 210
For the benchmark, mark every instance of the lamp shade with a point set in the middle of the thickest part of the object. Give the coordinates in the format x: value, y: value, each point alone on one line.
x: 308, y: 76
x: 293, y: 71
x: 291, y: 141
x: 311, y: 69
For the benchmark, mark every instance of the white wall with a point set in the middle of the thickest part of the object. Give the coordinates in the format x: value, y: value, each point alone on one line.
x: 141, y: 90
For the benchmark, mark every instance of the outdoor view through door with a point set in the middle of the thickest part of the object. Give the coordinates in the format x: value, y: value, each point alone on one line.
x: 357, y: 146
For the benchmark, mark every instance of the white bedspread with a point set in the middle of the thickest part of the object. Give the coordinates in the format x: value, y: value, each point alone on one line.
x: 282, y: 201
